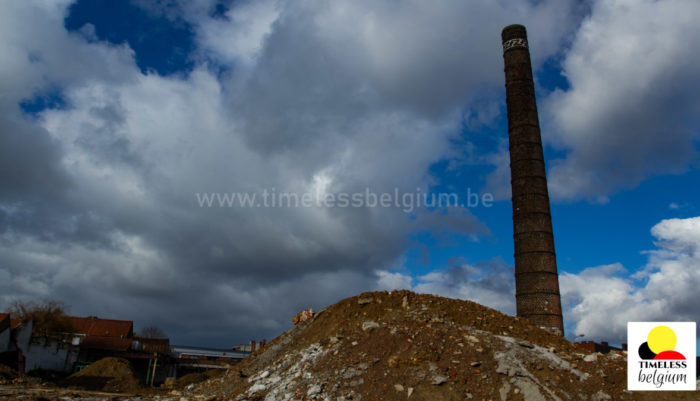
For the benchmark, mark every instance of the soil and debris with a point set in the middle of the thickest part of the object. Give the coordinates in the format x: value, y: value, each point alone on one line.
x: 107, y: 374
x: 8, y: 375
x: 197, y: 377
x: 401, y: 345
x: 405, y: 346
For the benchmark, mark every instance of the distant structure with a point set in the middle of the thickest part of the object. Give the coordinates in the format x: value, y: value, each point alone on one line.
x: 85, y: 340
x: 536, y: 279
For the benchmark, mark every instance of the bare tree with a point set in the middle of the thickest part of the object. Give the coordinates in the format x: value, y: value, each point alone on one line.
x: 152, y: 332
x: 50, y: 317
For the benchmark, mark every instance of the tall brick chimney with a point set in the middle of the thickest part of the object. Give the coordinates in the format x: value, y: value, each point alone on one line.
x: 536, y: 279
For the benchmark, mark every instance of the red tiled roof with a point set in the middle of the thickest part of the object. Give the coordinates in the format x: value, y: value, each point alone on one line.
x: 11, y: 322
x: 4, y: 321
x: 108, y: 343
x: 16, y: 322
x: 105, y: 334
x: 92, y: 326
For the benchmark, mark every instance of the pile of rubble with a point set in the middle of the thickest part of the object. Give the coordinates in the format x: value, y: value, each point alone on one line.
x: 107, y: 374
x: 188, y: 380
x: 405, y: 346
x: 9, y: 376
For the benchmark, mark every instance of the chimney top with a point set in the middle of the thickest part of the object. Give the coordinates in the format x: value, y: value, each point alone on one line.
x: 513, y: 32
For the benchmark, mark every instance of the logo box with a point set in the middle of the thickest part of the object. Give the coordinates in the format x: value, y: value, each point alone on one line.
x: 661, y: 356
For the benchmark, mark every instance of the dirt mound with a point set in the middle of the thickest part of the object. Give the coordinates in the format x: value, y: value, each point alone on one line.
x: 402, y: 345
x: 8, y: 375
x: 107, y: 374
x: 198, y: 377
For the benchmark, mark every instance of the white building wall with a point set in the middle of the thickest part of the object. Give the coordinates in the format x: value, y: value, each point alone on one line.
x: 23, y: 335
x: 51, y: 355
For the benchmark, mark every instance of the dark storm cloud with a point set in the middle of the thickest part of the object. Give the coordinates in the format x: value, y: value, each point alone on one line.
x: 29, y: 162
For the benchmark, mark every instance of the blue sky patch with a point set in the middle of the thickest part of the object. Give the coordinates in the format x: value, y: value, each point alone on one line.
x: 160, y: 45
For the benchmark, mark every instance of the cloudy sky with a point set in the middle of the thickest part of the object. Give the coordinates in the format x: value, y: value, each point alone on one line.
x: 119, y: 120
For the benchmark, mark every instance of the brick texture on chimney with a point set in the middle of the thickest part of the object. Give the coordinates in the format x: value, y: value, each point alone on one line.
x: 536, y: 278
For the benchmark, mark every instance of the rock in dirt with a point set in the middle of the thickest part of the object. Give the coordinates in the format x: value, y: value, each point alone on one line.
x: 368, y: 325
x: 303, y: 316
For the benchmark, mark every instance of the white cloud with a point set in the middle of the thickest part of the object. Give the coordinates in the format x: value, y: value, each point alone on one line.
x: 238, y: 37
x: 632, y: 103
x: 47, y: 56
x: 393, y: 280
x: 679, y: 234
x: 601, y: 300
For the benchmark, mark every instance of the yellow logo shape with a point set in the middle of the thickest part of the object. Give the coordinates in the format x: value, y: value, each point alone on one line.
x: 660, y: 339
